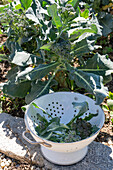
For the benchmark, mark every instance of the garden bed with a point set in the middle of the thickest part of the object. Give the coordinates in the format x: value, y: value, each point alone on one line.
x: 13, y: 107
x: 76, y: 77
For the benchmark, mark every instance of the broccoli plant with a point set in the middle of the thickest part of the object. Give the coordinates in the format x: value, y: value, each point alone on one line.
x: 102, y: 9
x: 45, y: 37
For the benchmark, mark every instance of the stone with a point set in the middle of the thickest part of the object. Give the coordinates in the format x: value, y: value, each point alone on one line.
x: 2, y: 164
x: 12, y: 144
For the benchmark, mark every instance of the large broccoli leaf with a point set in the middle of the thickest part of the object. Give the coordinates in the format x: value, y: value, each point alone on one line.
x: 91, y: 82
x: 99, y: 65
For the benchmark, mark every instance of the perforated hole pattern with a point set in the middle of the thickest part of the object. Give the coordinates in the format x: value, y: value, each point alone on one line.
x: 55, y: 109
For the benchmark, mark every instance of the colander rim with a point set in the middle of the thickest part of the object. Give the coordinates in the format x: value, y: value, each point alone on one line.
x: 48, y: 141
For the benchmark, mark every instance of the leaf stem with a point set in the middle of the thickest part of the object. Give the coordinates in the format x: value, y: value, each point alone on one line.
x: 50, y: 80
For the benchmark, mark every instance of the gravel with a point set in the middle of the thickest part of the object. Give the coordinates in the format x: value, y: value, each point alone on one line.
x: 7, y: 163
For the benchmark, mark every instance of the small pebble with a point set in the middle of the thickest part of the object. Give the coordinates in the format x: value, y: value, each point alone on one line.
x: 3, y: 156
x: 5, y: 168
x: 14, y: 163
x: 110, y: 142
x: 33, y: 168
x: 2, y: 164
x: 4, y: 160
x: 7, y: 163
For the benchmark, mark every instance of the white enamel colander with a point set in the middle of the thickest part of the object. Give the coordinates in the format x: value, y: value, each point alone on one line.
x: 60, y: 104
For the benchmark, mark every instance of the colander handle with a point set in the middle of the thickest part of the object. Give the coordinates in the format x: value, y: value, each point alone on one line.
x: 31, y: 142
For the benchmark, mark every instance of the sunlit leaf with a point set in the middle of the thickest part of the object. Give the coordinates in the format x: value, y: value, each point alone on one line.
x: 85, y: 14
x: 78, y: 32
x: 52, y: 11
x: 81, y: 107
x: 105, y: 107
x: 74, y: 3
x: 46, y: 47
x: 110, y: 104
x: 18, y: 7
x: 111, y: 95
x: 26, y: 3
x: 23, y: 58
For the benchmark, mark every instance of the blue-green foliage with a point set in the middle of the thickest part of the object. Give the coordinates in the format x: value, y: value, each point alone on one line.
x: 47, y: 36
